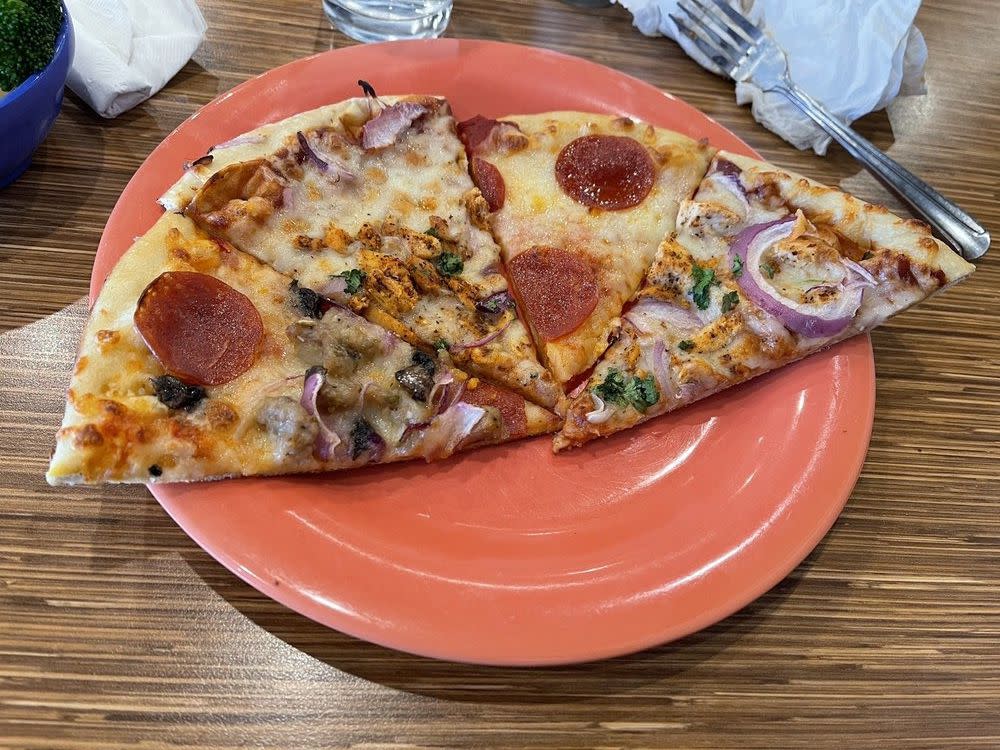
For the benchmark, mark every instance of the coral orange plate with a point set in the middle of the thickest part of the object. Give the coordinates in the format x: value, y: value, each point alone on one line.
x: 512, y: 555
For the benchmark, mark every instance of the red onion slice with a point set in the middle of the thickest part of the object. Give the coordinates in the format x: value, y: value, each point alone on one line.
x: 602, y: 413
x: 383, y: 129
x: 449, y: 430
x: 446, y: 391
x: 727, y: 176
x: 496, y: 303
x: 866, y: 276
x: 649, y: 311
x: 810, y: 320
x: 334, y: 169
x: 484, y: 340
x: 327, y: 439
x: 661, y: 367
x: 336, y: 286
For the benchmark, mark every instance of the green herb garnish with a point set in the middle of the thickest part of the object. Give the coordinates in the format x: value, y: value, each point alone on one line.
x: 686, y: 345
x: 768, y: 269
x: 729, y: 301
x: 355, y: 280
x: 441, y: 344
x: 737, y: 266
x: 624, y: 390
x: 704, y: 279
x: 433, y: 233
x: 448, y: 264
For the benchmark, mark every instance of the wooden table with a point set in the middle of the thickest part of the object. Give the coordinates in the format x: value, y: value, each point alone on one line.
x: 117, y: 630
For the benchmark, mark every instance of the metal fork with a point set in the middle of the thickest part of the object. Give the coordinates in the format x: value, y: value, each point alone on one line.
x: 743, y: 52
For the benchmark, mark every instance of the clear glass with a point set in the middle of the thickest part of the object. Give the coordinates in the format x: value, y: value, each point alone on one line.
x: 384, y: 20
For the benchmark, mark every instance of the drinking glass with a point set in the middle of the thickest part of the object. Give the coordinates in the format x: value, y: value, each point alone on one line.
x: 383, y: 20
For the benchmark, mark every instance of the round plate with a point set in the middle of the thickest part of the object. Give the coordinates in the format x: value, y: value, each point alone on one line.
x: 511, y: 555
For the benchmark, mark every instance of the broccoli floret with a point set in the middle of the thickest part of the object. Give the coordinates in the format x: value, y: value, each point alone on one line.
x: 28, y: 31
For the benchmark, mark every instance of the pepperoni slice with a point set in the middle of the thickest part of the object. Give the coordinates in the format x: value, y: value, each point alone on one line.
x: 474, y: 131
x: 605, y: 171
x: 490, y: 182
x: 557, y: 288
x: 200, y: 329
x: 509, y: 404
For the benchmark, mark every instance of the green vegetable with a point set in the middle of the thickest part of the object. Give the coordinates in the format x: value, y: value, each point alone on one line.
x: 686, y: 345
x: 729, y: 301
x: 441, y: 344
x: 355, y: 280
x: 624, y: 390
x: 704, y: 279
x: 769, y: 269
x: 448, y: 264
x: 433, y: 233
x: 737, y: 266
x: 28, y: 31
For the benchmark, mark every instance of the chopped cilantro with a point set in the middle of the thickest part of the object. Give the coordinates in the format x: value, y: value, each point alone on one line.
x: 433, y: 233
x: 729, y: 301
x: 355, y: 280
x: 737, y: 266
x: 642, y: 392
x: 686, y: 345
x: 704, y: 279
x: 639, y: 393
x: 442, y: 344
x: 867, y: 255
x: 768, y: 269
x: 448, y: 264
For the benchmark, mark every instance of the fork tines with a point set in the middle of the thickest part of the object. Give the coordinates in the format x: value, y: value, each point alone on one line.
x: 721, y: 32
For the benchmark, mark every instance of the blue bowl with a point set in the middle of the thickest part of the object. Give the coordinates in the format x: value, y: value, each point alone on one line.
x: 27, y: 112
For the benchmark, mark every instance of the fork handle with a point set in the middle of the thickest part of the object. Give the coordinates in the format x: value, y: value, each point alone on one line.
x: 951, y: 223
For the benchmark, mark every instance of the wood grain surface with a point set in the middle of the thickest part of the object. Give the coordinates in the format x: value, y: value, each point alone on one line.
x: 116, y: 630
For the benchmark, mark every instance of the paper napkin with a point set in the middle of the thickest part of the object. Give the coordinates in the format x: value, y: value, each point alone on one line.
x: 855, y: 56
x: 127, y: 50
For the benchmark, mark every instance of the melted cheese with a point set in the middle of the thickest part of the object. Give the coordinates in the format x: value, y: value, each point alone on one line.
x: 419, y: 183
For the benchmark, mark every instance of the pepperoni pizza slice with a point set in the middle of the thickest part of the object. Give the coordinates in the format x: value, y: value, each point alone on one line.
x: 579, y: 203
x: 199, y: 362
x: 766, y: 267
x: 370, y: 204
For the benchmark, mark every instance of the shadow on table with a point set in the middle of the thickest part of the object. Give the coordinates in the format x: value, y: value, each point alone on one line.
x: 483, y: 684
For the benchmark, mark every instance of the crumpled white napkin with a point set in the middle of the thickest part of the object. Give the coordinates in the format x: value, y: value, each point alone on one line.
x: 855, y: 56
x: 127, y: 50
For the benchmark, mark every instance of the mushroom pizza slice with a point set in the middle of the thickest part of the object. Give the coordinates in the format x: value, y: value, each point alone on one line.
x: 199, y: 362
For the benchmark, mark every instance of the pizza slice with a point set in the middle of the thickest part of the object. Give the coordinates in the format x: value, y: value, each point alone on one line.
x: 370, y: 204
x: 199, y: 362
x: 579, y: 203
x: 766, y: 267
